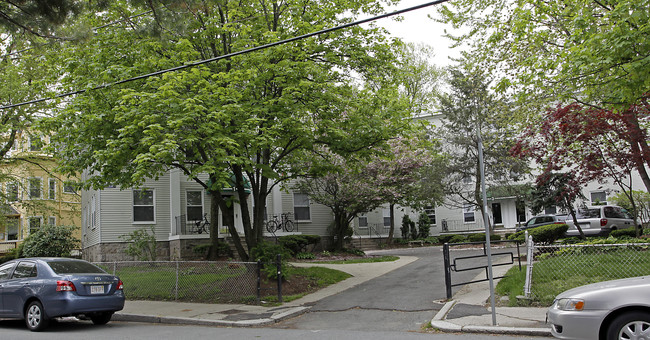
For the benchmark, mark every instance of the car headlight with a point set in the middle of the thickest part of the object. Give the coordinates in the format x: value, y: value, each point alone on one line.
x: 570, y: 304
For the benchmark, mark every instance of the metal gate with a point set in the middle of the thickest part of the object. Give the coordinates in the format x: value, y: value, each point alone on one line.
x: 474, y: 262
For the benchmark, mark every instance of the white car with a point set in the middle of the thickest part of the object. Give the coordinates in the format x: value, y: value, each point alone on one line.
x: 618, y: 309
x: 600, y: 220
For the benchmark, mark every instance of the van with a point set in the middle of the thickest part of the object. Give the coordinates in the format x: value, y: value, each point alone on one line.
x: 600, y: 220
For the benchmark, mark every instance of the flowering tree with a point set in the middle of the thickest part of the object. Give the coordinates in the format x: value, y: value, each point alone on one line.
x: 596, y: 144
x: 352, y: 186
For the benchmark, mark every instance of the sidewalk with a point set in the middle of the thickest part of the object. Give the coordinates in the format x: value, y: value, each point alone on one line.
x: 470, y: 311
x: 466, y: 312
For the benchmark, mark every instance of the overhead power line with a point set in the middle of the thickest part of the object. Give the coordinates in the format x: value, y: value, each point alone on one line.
x: 230, y: 55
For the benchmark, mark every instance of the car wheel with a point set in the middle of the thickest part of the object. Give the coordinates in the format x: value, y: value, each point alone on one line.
x: 631, y: 325
x: 101, y: 318
x: 35, y: 317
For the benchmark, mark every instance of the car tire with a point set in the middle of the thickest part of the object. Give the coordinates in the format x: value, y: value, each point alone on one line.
x: 35, y: 317
x: 630, y: 325
x: 101, y: 318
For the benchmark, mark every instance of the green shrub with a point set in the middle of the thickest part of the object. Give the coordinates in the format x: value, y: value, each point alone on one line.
x: 546, y: 234
x: 408, y: 228
x: 619, y: 233
x: 298, y: 243
x: 267, y: 253
x: 480, y: 237
x: 424, y: 225
x: 142, y: 244
x: 305, y: 256
x: 49, y: 240
x: 223, y: 249
x: 458, y: 239
x: 432, y: 240
x: 354, y: 251
x: 447, y: 237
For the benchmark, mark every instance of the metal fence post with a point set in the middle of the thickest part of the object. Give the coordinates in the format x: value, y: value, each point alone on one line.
x: 114, y: 267
x: 279, y: 265
x: 176, y: 288
x: 259, y: 281
x: 445, y: 252
x: 529, y: 262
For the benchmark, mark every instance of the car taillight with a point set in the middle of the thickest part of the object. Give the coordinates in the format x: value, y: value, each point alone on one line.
x: 120, y: 285
x: 65, y: 286
x: 603, y: 222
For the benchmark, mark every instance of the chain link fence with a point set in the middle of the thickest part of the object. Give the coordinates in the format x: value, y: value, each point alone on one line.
x: 191, y: 281
x: 557, y: 268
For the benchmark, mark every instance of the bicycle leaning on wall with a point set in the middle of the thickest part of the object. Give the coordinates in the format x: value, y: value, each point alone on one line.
x: 276, y: 223
x: 203, y: 225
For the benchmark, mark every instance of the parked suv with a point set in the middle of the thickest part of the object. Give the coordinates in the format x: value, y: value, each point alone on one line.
x: 538, y: 221
x: 600, y: 220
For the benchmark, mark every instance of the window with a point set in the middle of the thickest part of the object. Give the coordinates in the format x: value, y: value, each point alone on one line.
x: 25, y: 269
x: 550, y: 210
x: 301, y: 209
x: 93, y: 212
x: 70, y: 187
x: 34, y: 224
x: 468, y: 213
x: 35, y: 187
x: 12, y: 229
x: 12, y: 192
x: 194, y: 205
x: 35, y: 143
x: 431, y: 212
x: 143, y: 206
x: 386, y: 215
x: 599, y: 198
x: 51, y: 220
x: 51, y: 183
x: 5, y: 270
x: 363, y: 220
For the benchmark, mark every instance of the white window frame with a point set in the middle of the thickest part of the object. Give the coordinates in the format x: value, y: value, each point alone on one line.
x: 51, y: 189
x: 187, y: 204
x: 93, y: 211
x: 307, y: 206
x: 133, y: 206
x: 29, y: 223
x: 17, y: 189
x: 51, y: 220
x: 363, y: 217
x: 385, y: 212
x: 469, y: 209
x: 591, y: 197
x: 69, y: 183
x: 40, y: 189
x: 31, y: 143
x: 431, y: 211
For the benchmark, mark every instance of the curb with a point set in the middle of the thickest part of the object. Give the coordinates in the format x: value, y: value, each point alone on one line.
x: 206, y: 322
x: 440, y: 323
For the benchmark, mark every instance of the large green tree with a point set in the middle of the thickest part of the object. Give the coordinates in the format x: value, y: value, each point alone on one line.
x: 470, y: 109
x: 243, y: 120
x: 590, y: 51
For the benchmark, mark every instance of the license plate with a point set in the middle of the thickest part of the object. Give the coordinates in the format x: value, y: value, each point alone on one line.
x: 96, y: 289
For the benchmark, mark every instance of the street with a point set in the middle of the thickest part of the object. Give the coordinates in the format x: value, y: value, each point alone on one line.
x: 83, y: 330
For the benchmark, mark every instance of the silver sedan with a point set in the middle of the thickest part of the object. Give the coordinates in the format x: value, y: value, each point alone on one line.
x: 618, y: 309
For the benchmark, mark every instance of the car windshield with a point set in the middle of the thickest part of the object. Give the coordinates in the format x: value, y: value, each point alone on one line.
x: 74, y: 267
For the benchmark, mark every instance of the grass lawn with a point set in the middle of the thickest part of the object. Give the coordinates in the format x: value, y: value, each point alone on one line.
x: 554, y: 274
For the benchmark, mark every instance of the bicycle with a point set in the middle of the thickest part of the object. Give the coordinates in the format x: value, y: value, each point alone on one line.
x: 203, y: 225
x: 283, y: 223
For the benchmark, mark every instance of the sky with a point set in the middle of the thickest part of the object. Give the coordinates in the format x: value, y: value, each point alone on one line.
x: 417, y: 27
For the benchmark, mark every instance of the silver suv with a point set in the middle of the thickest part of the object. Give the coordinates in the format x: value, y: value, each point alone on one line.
x: 600, y: 220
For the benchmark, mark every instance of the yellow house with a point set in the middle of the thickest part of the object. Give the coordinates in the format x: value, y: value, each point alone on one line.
x: 33, y: 194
